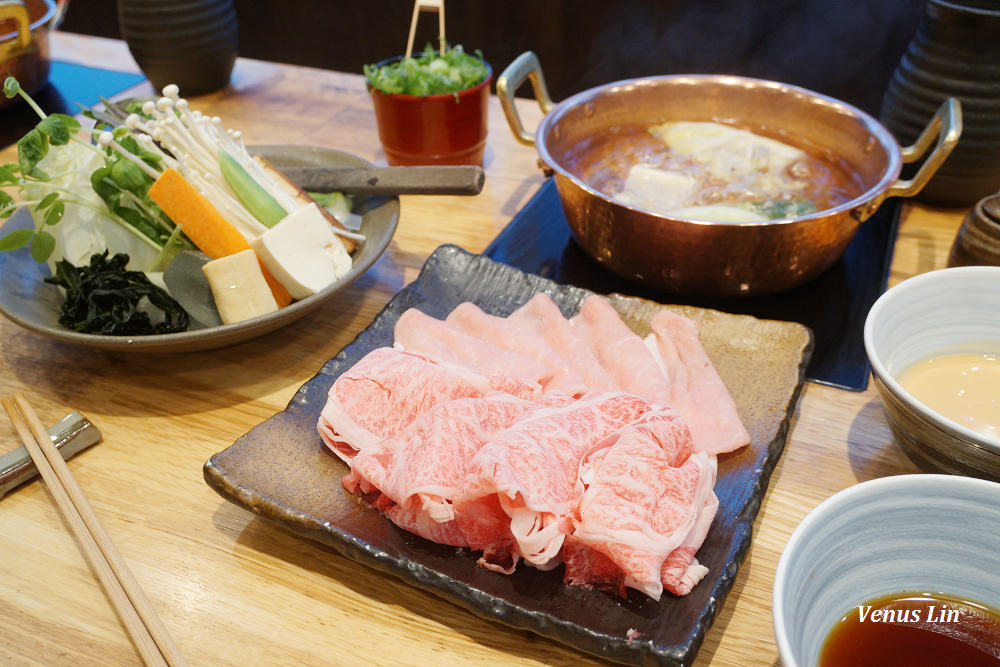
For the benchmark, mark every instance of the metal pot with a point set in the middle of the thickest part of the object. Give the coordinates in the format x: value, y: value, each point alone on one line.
x: 707, y: 258
x: 24, y: 53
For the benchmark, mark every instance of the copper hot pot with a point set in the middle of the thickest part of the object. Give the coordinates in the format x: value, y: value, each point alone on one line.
x: 24, y: 52
x: 719, y: 259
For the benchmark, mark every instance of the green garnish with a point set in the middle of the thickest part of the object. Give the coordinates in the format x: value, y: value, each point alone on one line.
x: 103, y: 298
x: 430, y: 73
x: 780, y: 209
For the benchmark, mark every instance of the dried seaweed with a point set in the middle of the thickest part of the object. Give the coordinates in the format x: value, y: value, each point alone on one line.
x: 105, y: 298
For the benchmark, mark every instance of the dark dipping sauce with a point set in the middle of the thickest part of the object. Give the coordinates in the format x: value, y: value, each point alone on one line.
x: 914, y: 629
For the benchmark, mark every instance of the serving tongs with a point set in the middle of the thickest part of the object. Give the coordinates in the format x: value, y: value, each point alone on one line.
x: 367, y: 180
x: 390, y: 181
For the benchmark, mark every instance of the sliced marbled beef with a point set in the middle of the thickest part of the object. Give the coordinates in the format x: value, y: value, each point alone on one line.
x: 419, y: 469
x: 644, y: 492
x: 536, y: 437
x: 389, y: 388
x: 532, y: 470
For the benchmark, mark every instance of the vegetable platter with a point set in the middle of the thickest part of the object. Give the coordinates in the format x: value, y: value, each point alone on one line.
x: 158, y: 230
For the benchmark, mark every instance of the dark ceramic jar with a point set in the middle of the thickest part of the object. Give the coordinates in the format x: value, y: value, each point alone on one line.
x: 955, y: 53
x: 191, y: 43
x: 978, y: 240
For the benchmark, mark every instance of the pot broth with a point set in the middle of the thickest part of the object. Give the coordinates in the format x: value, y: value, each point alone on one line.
x: 713, y: 171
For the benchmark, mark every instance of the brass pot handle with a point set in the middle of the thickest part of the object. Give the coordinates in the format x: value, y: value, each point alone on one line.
x: 525, y: 66
x: 946, y: 126
x: 15, y: 9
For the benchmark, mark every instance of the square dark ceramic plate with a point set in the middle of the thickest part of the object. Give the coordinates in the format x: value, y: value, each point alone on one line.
x: 282, y: 471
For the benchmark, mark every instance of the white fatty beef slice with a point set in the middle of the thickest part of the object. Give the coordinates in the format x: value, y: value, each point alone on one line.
x: 500, y: 331
x: 444, y: 343
x: 388, y: 388
x: 542, y: 316
x: 697, y: 391
x: 620, y: 351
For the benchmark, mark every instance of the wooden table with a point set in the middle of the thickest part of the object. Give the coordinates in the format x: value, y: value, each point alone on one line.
x: 237, y: 590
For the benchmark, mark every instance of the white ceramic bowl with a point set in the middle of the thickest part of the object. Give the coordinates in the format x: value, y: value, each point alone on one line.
x: 950, y: 310
x: 927, y: 533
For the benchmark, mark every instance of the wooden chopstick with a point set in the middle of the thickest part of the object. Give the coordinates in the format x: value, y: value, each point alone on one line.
x: 151, y: 638
x: 426, y: 6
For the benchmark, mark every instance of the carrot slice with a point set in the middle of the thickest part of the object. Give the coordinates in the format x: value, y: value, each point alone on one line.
x: 204, y: 225
x: 281, y: 295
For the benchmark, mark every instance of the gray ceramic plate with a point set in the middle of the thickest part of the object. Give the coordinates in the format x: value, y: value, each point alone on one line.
x: 282, y: 471
x: 34, y: 304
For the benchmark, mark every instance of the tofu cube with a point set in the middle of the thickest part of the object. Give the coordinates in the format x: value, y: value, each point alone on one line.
x: 238, y: 287
x: 302, y: 252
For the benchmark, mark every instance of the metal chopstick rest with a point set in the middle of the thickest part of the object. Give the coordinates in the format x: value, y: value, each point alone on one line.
x: 71, y: 435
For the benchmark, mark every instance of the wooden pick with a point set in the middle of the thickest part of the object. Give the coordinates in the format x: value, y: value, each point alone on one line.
x: 426, y: 6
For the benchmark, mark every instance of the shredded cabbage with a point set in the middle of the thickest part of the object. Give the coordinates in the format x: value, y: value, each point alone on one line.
x: 90, y: 228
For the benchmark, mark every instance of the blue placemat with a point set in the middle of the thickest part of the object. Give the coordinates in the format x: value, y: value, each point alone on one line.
x: 87, y: 85
x: 70, y: 86
x: 834, y: 305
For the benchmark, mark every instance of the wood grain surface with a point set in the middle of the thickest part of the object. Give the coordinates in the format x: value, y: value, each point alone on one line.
x: 234, y: 589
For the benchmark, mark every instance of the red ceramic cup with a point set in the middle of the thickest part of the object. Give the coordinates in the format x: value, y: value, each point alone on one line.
x: 436, y: 129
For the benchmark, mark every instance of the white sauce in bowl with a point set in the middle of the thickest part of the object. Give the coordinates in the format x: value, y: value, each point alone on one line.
x: 964, y: 387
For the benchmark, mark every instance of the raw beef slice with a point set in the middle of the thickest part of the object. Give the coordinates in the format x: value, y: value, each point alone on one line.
x: 531, y: 470
x: 388, y: 388
x: 696, y: 390
x: 645, y: 492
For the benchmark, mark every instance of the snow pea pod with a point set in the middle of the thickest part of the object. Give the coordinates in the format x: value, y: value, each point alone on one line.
x: 257, y: 200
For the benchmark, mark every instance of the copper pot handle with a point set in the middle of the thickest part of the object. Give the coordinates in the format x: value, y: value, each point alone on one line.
x: 15, y: 9
x: 946, y: 126
x: 525, y: 66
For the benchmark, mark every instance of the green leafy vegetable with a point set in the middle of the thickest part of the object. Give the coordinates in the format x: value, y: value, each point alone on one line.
x: 54, y: 214
x: 11, y: 87
x: 430, y: 73
x: 780, y: 209
x: 42, y: 245
x: 104, y: 298
x: 8, y: 174
x: 16, y: 239
x: 55, y: 168
x: 7, y: 205
x: 31, y: 148
x: 58, y: 128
